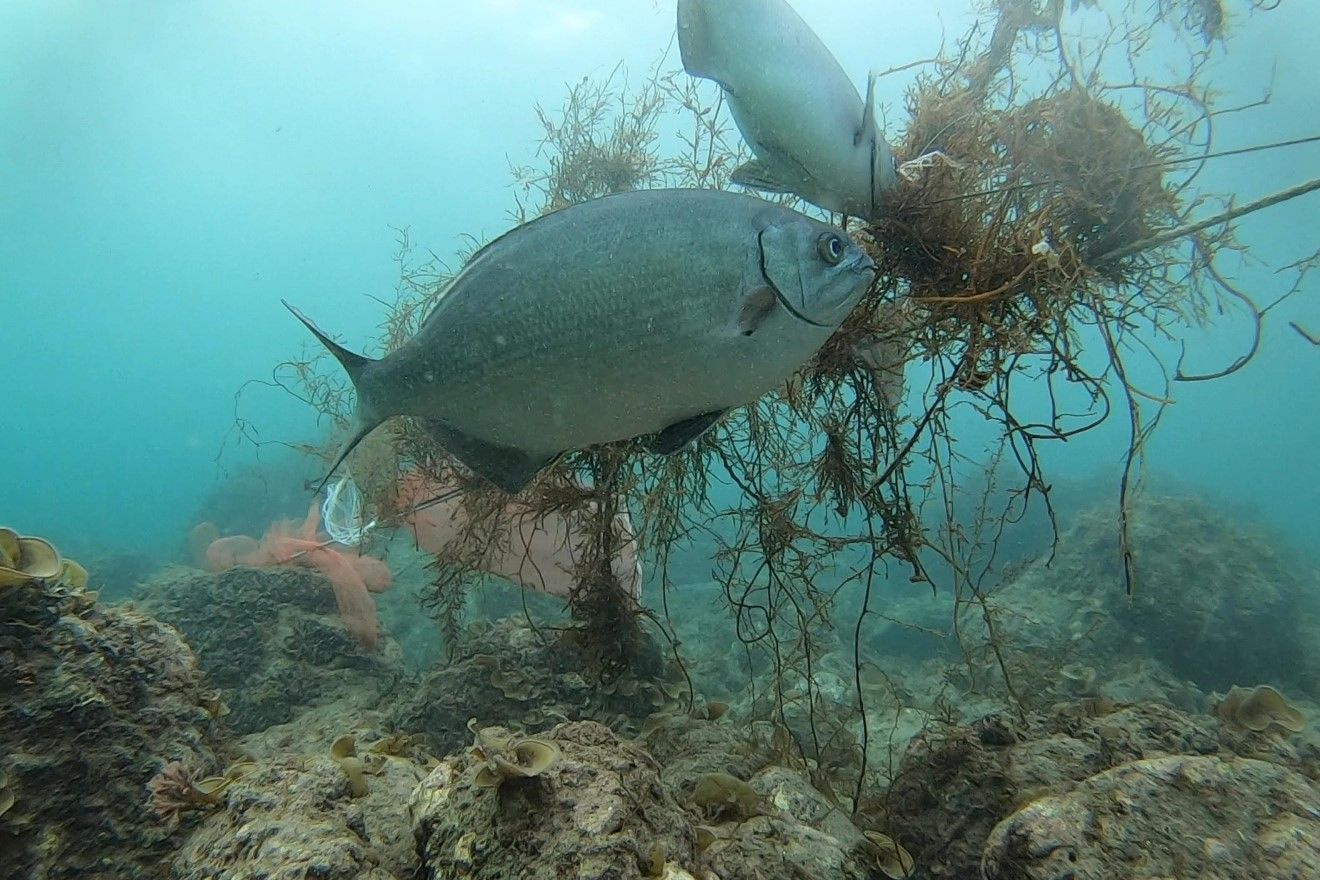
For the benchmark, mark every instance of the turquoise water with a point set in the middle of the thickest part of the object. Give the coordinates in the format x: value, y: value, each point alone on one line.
x: 168, y: 172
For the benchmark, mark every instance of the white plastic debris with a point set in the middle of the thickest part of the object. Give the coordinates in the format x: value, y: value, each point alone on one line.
x: 342, y: 513
x: 1043, y: 248
x: 913, y: 168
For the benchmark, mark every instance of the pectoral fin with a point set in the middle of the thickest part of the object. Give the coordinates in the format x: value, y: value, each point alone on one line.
x: 757, y: 175
x: 680, y: 434
x: 507, y: 467
x: 756, y: 306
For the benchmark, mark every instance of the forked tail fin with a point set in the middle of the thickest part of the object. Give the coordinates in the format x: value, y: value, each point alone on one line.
x: 354, y: 364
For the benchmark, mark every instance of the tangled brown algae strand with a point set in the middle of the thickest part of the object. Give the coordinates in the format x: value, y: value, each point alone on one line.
x: 1258, y: 709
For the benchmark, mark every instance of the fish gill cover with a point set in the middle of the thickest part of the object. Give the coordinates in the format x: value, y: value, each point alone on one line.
x: 1047, y: 226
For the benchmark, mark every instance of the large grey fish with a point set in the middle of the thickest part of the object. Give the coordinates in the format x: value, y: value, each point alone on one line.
x: 795, y: 106
x: 642, y: 313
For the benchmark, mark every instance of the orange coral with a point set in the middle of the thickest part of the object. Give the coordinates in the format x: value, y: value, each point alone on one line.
x: 352, y: 576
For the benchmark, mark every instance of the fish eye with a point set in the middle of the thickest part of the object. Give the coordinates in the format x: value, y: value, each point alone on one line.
x: 830, y: 247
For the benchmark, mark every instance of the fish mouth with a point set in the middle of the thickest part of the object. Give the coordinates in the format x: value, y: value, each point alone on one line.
x: 863, y: 263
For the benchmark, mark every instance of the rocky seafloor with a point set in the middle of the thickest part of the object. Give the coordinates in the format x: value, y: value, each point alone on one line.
x: 224, y: 725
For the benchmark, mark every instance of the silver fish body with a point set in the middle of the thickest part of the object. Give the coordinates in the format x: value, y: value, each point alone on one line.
x: 796, y: 107
x: 642, y: 313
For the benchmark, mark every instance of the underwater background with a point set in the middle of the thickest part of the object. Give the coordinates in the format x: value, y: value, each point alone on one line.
x: 170, y: 172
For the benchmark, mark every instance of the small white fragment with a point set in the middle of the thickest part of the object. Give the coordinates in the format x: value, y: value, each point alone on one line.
x: 913, y: 168
x: 1043, y: 248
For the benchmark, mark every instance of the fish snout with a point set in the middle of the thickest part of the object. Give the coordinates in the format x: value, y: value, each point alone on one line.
x: 860, y: 261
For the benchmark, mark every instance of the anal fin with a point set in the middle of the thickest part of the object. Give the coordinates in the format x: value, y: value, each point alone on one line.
x: 507, y: 467
x: 680, y: 434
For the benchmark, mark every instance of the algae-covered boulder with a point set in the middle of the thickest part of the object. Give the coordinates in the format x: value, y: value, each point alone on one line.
x: 94, y: 701
x: 588, y: 804
x: 1174, y: 816
x: 512, y: 672
x: 791, y: 831
x: 956, y: 783
x: 270, y: 640
x: 303, y: 816
x: 1217, y: 600
x: 599, y: 811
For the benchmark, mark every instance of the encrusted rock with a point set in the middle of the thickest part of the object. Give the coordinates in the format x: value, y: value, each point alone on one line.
x: 957, y: 782
x: 1175, y: 816
x: 270, y: 640
x: 600, y: 811
x: 299, y: 819
x: 514, y: 673
x: 94, y: 701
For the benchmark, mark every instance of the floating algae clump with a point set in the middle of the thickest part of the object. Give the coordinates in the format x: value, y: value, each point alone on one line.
x: 1259, y: 708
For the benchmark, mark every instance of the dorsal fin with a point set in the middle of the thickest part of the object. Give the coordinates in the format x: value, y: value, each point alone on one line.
x: 868, y: 111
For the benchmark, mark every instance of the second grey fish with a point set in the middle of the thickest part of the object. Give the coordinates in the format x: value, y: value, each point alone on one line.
x: 642, y: 313
x: 794, y: 104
